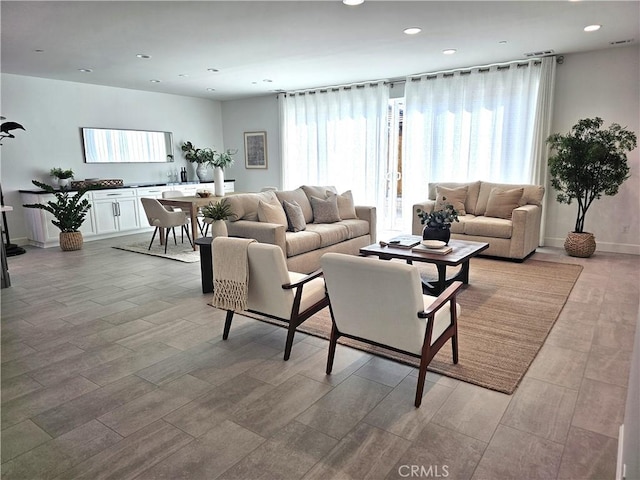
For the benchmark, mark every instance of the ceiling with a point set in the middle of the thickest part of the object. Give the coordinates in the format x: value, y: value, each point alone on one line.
x: 261, y: 47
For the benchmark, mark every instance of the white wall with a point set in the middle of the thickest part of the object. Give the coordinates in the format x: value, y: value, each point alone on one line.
x: 606, y: 84
x: 53, y: 111
x: 252, y: 115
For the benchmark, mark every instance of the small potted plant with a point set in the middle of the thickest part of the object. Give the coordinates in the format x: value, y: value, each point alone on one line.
x: 437, y: 223
x: 69, y: 211
x: 202, y: 157
x: 215, y: 214
x: 589, y: 161
x: 61, y: 175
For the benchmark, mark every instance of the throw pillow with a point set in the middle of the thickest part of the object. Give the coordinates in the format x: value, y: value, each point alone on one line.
x: 453, y: 196
x: 346, y: 208
x: 325, y: 211
x: 271, y: 213
x: 501, y: 203
x: 295, y: 216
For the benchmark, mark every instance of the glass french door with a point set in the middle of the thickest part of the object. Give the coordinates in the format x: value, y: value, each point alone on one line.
x: 391, y: 218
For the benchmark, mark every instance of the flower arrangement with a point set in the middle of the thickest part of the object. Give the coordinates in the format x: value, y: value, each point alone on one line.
x: 58, y: 172
x: 198, y: 155
x: 439, y: 218
x: 223, y: 159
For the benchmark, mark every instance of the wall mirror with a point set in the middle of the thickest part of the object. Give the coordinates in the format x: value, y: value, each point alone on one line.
x: 107, y: 145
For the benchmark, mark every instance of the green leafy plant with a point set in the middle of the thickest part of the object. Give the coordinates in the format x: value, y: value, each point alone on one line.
x: 60, y: 173
x: 198, y: 155
x: 590, y: 161
x: 217, y: 211
x: 439, y: 218
x: 69, y: 210
x: 224, y: 159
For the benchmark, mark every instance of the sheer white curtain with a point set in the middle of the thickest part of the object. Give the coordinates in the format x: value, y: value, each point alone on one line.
x: 336, y: 137
x: 478, y: 124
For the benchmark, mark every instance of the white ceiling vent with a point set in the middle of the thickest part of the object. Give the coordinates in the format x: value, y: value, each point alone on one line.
x: 622, y: 42
x: 541, y: 53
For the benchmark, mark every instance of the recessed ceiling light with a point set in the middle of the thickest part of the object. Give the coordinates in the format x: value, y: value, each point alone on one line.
x: 449, y: 51
x: 154, y: 81
x: 266, y: 80
x: 592, y: 28
x: 502, y: 42
x: 353, y: 3
x: 143, y: 55
x: 412, y: 30
x: 211, y: 89
x: 184, y: 75
x: 85, y: 70
x: 39, y: 50
x: 213, y: 70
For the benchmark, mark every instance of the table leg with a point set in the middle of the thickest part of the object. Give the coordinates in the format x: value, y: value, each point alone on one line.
x: 193, y: 210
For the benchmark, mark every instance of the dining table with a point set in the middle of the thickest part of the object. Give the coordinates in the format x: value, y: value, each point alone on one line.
x: 191, y: 205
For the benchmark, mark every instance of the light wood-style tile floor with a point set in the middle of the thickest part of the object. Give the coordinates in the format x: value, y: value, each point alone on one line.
x: 113, y: 367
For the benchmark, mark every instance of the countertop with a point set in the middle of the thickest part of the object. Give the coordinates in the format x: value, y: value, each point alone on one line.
x: 126, y: 185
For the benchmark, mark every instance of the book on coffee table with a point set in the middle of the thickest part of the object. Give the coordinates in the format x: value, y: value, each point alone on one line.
x: 405, y: 241
x: 438, y: 251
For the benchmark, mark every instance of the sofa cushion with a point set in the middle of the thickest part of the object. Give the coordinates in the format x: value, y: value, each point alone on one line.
x: 532, y: 193
x: 501, y: 203
x: 355, y: 227
x: 330, y: 233
x: 317, y: 191
x: 346, y: 207
x: 452, y: 196
x: 472, y: 193
x: 301, y: 242
x: 300, y: 198
x: 271, y: 213
x: 325, y: 210
x: 481, y: 226
x: 245, y: 205
x: 295, y: 216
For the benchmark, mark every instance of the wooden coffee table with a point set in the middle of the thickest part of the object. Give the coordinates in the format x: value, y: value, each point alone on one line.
x: 462, y: 252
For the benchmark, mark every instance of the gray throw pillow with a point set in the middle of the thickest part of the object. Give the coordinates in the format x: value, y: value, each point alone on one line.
x: 325, y: 211
x: 295, y: 216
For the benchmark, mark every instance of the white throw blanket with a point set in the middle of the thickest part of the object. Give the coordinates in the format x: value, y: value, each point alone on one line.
x: 231, y: 273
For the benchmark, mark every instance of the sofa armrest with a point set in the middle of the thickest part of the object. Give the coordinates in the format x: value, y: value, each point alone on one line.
x: 369, y: 214
x: 262, y: 232
x: 427, y: 206
x: 525, y: 236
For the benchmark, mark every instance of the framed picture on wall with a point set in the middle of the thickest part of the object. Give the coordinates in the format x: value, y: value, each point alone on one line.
x: 255, y: 149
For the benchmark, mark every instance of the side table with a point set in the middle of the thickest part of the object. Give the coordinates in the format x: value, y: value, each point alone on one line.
x: 206, y: 263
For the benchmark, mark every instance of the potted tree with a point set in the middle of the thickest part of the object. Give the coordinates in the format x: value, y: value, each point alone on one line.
x: 62, y: 176
x: 589, y: 161
x: 215, y: 214
x: 69, y: 211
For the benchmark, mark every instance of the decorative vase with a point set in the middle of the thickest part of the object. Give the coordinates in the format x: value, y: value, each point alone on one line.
x: 219, y: 229
x: 580, y: 244
x: 436, y: 233
x: 201, y: 172
x: 218, y: 178
x: 70, y: 241
x: 63, y: 182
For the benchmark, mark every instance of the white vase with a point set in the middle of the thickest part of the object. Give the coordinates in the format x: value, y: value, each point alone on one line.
x: 219, y: 229
x: 201, y: 172
x: 218, y: 178
x: 63, y: 182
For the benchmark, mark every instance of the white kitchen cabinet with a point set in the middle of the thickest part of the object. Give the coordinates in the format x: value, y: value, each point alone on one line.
x: 115, y: 211
x: 147, y: 192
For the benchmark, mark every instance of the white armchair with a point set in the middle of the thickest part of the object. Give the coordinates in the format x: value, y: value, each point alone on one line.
x: 275, y: 292
x: 381, y: 303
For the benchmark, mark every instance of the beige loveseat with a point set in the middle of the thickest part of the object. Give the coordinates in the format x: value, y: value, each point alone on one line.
x: 261, y: 216
x: 493, y: 212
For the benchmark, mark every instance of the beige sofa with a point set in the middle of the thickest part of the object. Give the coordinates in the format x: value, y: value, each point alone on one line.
x: 512, y: 230
x: 303, y: 249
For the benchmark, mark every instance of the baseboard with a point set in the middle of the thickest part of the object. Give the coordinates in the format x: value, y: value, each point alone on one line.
x: 627, y: 248
x: 620, y: 470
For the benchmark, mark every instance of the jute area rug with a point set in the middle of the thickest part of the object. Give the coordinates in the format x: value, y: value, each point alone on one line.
x: 183, y: 252
x: 507, y: 312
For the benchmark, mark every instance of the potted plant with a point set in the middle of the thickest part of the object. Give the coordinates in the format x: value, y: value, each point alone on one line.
x: 202, y: 157
x: 61, y: 175
x: 215, y: 214
x: 438, y: 222
x: 220, y: 162
x: 589, y: 161
x: 69, y: 211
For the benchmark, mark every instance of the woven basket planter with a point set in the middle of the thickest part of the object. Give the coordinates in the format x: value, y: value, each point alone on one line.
x: 580, y: 244
x: 70, y: 241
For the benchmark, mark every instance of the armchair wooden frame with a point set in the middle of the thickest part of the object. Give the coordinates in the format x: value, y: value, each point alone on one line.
x: 295, y: 319
x: 429, y: 350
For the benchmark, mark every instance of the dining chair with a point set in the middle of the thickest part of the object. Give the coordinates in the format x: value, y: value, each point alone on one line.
x: 381, y: 303
x: 200, y: 217
x: 273, y: 291
x: 160, y: 217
